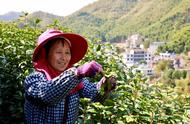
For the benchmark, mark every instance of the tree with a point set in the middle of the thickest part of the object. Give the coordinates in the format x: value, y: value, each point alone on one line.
x: 168, y: 73
x: 176, y: 74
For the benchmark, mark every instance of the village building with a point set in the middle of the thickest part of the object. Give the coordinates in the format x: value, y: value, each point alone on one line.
x: 136, y: 56
x: 145, y: 69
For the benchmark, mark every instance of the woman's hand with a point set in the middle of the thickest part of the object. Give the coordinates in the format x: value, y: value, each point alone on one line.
x: 89, y: 69
x: 108, y: 84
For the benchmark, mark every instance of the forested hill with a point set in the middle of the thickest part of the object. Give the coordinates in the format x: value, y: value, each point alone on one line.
x: 46, y: 18
x: 99, y: 19
x: 113, y: 20
x: 10, y: 16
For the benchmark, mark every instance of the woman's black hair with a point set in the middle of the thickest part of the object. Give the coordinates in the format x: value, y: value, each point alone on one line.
x: 50, y: 43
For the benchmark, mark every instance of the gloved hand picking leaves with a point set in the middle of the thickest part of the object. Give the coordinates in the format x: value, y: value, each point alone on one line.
x: 107, y: 84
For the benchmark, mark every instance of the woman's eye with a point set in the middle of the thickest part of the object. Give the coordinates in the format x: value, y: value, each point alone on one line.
x: 67, y: 53
x: 58, y: 52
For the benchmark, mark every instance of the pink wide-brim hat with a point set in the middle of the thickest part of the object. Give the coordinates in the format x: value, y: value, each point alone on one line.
x: 78, y: 44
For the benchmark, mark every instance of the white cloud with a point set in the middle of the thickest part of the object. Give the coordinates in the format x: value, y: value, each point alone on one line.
x: 58, y: 7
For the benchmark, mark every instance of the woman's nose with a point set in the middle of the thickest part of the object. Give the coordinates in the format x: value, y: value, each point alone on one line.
x: 64, y: 57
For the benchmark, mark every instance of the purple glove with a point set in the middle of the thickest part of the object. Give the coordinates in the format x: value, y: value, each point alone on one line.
x: 89, y: 69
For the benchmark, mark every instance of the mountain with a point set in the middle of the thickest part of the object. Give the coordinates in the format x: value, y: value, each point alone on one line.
x: 114, y: 20
x: 46, y: 18
x: 158, y: 19
x: 10, y: 16
x: 99, y: 18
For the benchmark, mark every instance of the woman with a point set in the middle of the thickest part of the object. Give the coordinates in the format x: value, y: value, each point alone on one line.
x: 53, y: 91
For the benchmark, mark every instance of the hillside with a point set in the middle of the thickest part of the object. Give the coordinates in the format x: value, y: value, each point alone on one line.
x: 10, y: 16
x: 157, y: 19
x: 99, y: 18
x: 46, y: 18
x: 113, y: 20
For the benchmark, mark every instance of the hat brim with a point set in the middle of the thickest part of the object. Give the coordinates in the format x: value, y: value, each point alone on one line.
x: 78, y: 47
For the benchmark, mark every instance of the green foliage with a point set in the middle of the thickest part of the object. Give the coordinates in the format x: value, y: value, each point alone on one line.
x: 168, y: 73
x: 134, y: 100
x: 175, y: 74
x: 161, y: 66
x: 156, y: 19
x: 182, y: 86
x: 180, y: 41
x: 16, y: 46
x: 104, y: 12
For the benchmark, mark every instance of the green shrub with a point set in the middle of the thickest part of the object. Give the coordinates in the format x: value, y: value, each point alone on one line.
x: 134, y: 100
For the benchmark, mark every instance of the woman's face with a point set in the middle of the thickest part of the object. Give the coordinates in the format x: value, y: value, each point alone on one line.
x: 59, y: 55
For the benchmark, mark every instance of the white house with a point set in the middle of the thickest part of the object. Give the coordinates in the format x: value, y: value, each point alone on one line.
x: 145, y: 70
x: 167, y: 56
x: 137, y: 55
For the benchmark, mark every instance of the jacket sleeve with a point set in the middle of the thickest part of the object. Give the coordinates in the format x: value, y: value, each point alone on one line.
x: 39, y: 90
x: 90, y: 91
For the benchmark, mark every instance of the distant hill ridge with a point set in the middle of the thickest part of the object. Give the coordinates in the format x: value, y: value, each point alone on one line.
x: 115, y: 20
x: 10, y: 16
x: 47, y: 18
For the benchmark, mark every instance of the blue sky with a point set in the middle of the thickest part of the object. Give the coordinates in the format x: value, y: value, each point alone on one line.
x: 57, y: 7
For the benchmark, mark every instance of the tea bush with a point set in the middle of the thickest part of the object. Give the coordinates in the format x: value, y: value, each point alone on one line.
x: 134, y: 100
x: 16, y: 46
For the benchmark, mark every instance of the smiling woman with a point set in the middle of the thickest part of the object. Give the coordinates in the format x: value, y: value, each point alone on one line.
x: 56, y: 7
x: 59, y: 55
x: 53, y: 90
